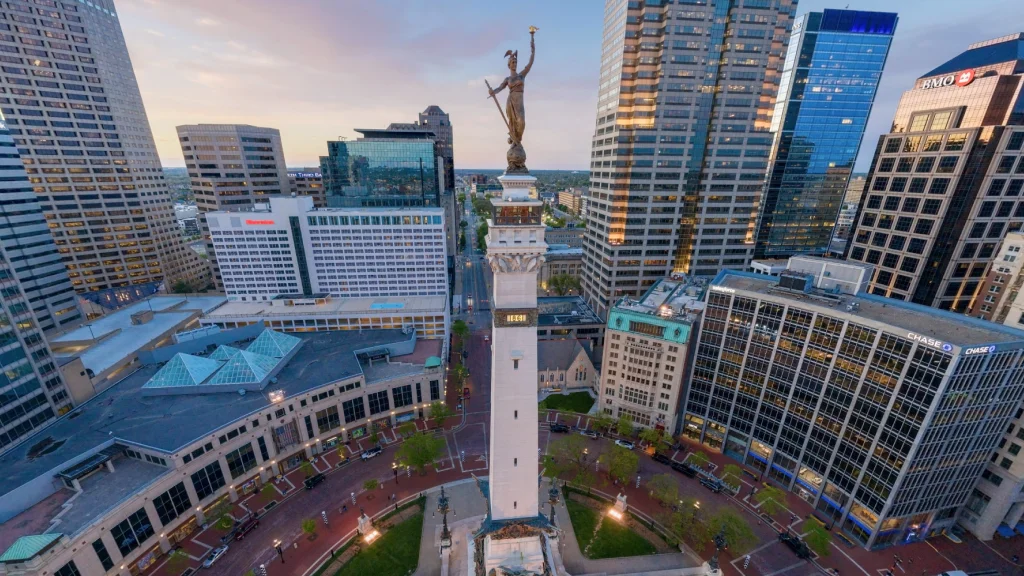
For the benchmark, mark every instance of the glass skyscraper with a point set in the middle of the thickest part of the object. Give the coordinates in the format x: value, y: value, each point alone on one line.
x: 385, y: 168
x: 829, y: 80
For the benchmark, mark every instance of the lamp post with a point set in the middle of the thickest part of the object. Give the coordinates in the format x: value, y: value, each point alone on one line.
x: 394, y: 470
x: 553, y: 499
x: 280, y: 551
x: 720, y: 543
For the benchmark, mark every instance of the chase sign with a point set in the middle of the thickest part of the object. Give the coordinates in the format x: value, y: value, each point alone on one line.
x: 979, y: 350
x: 944, y: 346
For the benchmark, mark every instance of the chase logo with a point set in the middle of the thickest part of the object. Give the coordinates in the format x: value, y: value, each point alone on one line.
x: 980, y: 350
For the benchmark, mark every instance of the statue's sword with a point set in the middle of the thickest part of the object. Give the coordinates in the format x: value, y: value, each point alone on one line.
x: 500, y: 111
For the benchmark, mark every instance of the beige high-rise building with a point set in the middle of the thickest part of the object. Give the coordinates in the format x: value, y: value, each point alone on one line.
x: 74, y: 109
x: 232, y: 167
x: 681, y: 140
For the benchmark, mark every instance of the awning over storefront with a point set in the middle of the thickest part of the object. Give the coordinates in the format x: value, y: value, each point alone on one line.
x: 1020, y: 528
x: 1005, y: 531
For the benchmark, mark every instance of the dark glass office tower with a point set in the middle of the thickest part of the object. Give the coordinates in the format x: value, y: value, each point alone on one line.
x: 946, y: 182
x: 385, y: 168
x: 833, y: 66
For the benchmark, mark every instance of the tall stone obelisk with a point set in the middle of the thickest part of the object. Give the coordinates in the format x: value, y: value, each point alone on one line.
x: 515, y: 251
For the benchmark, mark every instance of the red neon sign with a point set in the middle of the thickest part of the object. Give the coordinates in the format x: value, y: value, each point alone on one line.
x: 260, y: 222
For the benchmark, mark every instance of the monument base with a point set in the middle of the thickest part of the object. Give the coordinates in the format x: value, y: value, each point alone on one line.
x: 518, y: 186
x: 516, y: 555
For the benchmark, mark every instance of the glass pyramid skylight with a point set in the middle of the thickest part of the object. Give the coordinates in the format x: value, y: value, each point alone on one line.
x: 273, y: 344
x: 244, y: 368
x: 224, y: 353
x: 184, y: 370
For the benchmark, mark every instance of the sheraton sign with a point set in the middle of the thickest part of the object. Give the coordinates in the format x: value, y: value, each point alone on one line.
x: 962, y: 78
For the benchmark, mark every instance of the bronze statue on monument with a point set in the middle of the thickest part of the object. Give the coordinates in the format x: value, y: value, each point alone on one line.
x: 515, y: 111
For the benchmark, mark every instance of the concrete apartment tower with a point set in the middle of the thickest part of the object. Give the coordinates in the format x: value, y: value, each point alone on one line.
x: 232, y: 166
x: 515, y: 251
x: 78, y: 120
x: 945, y: 183
x: 681, y: 140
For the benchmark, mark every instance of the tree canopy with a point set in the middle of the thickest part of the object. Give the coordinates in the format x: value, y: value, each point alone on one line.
x: 419, y: 451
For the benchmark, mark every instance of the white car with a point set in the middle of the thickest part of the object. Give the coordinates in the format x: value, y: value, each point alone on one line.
x: 371, y: 452
x: 214, y: 556
x: 625, y: 444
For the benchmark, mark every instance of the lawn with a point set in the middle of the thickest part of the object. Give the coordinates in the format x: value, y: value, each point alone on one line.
x: 396, y: 553
x: 576, y: 402
x: 613, y: 540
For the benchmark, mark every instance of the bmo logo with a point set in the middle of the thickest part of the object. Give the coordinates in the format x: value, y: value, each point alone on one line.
x: 961, y: 79
x: 946, y: 347
x: 979, y: 350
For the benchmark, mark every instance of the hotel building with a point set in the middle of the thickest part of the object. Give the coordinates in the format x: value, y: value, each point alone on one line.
x: 881, y: 413
x: 290, y: 248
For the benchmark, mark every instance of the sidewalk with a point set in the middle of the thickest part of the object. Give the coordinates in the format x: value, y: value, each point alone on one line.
x: 465, y: 501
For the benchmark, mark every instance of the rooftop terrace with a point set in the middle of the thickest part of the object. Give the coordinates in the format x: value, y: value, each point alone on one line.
x: 564, y: 310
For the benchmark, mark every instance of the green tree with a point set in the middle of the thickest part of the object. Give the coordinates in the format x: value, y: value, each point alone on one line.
x: 268, y: 491
x: 342, y: 454
x: 459, y: 374
x: 731, y: 474
x: 699, y: 459
x: 420, y: 451
x: 250, y: 572
x: 182, y: 287
x: 562, y: 284
x: 375, y: 437
x: 664, y: 489
x: 481, y: 237
x: 307, y: 468
x: 462, y: 241
x: 650, y: 436
x: 625, y: 425
x: 818, y: 539
x: 687, y: 524
x: 572, y: 454
x: 602, y: 420
x: 461, y: 329
x: 738, y: 533
x: 440, y: 413
x: 622, y: 464
x: 771, y: 500
x: 371, y: 484
x: 407, y: 429
x: 553, y: 468
x: 461, y: 198
x: 309, y: 526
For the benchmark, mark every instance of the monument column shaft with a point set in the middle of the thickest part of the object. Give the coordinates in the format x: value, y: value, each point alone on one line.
x: 515, y: 250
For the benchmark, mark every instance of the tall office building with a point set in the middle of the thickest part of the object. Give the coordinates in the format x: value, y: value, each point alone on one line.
x: 73, y: 106
x: 880, y: 413
x: 999, y: 298
x: 34, y: 259
x: 833, y: 65
x: 308, y: 182
x: 384, y: 168
x: 33, y: 392
x: 232, y: 166
x: 945, y: 182
x: 848, y: 210
x: 681, y: 141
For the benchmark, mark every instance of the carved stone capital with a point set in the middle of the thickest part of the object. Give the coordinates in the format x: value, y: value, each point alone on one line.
x: 515, y: 263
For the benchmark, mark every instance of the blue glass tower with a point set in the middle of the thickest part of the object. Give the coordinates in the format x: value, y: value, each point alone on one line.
x: 833, y: 66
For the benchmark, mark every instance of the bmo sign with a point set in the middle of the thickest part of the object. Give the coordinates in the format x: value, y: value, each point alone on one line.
x: 958, y: 78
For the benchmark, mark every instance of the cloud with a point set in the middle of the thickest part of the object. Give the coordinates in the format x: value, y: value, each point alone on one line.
x: 156, y: 33
x: 207, y: 22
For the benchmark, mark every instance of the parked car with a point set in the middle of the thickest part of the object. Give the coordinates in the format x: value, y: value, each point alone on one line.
x: 371, y: 452
x: 465, y: 392
x: 247, y: 526
x: 713, y: 484
x: 214, y: 556
x: 685, y: 469
x: 661, y: 459
x: 795, y: 544
x: 592, y: 434
x: 625, y: 444
x: 312, y: 481
x: 562, y: 428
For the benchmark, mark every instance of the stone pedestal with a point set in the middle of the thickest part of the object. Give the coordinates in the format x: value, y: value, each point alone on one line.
x: 518, y: 553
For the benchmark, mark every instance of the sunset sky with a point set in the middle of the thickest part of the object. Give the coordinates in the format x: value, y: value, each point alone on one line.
x: 316, y: 70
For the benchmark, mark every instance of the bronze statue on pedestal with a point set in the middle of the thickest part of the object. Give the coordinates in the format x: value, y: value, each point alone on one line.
x: 515, y: 111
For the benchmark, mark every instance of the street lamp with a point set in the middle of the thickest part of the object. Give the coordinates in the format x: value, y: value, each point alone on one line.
x: 280, y: 551
x: 720, y: 543
x: 394, y: 469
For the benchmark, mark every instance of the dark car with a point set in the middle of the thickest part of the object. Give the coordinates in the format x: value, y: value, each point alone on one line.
x: 313, y: 481
x: 560, y: 428
x: 661, y: 459
x: 798, y: 546
x: 247, y: 526
x: 713, y: 484
x: 685, y: 469
x: 371, y: 452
